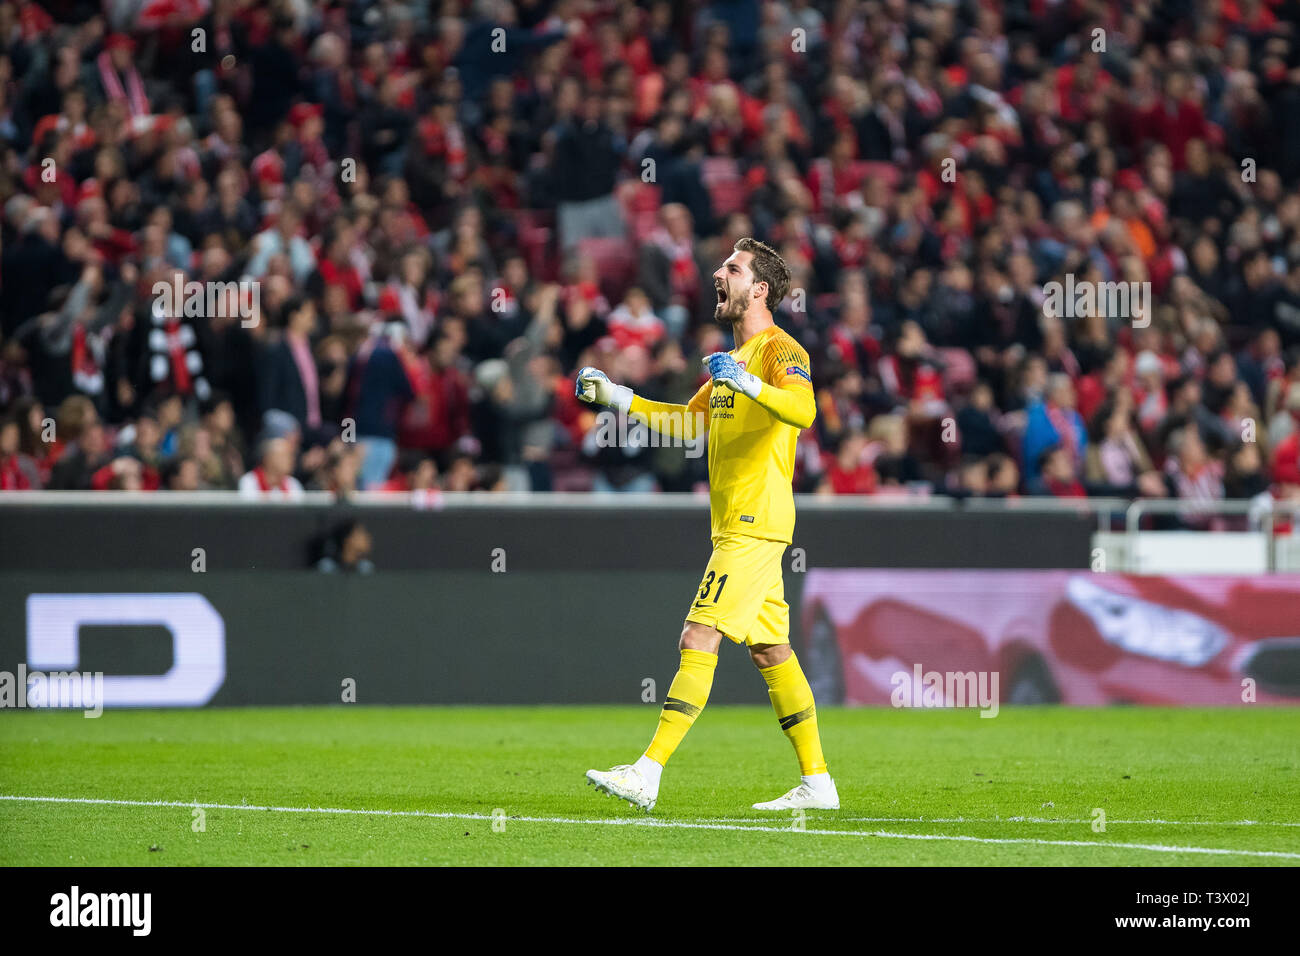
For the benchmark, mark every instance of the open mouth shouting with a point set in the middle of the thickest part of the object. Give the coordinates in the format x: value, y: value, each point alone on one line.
x: 724, y: 299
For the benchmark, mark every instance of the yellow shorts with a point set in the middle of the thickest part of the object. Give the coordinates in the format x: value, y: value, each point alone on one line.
x: 743, y: 593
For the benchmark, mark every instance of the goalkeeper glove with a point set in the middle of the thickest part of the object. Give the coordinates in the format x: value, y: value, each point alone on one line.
x: 593, y: 385
x: 725, y: 370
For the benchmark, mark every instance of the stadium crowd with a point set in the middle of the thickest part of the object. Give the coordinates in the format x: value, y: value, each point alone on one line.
x: 442, y: 209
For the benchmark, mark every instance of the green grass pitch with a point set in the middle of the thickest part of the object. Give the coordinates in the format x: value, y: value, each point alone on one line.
x: 1204, y: 787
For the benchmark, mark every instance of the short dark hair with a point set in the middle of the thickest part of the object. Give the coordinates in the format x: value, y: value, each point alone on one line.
x: 1047, y: 454
x: 172, y: 469
x: 768, y: 267
x: 294, y: 304
x: 215, y: 399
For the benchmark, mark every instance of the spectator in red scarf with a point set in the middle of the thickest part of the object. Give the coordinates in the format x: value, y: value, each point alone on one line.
x: 110, y: 242
x: 291, y: 379
x: 18, y: 472
x: 634, y: 322
x: 83, y: 457
x: 910, y: 375
x: 847, y: 471
x: 1054, y: 422
x: 852, y: 342
x: 1286, y: 456
x: 119, y: 80
x: 668, y: 269
x: 438, y: 415
x: 273, y: 477
x: 1149, y: 391
x: 415, y: 471
x: 35, y: 436
x: 123, y: 473
x: 337, y: 268
x: 833, y: 179
x: 1057, y: 475
x: 413, y: 295
x: 1110, y: 378
x: 1194, y: 476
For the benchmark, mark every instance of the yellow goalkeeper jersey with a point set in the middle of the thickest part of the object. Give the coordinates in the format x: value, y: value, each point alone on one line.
x: 751, y: 451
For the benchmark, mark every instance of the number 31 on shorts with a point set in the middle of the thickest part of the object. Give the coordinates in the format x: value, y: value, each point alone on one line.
x: 708, y: 585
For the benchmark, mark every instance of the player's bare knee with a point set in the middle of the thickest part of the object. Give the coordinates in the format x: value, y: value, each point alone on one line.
x: 699, y: 637
x: 769, y: 655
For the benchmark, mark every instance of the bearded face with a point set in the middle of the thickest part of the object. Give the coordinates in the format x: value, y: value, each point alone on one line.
x: 733, y: 293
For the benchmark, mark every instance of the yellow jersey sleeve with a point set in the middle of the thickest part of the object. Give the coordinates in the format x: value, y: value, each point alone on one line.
x: 675, y: 421
x: 785, y: 364
x: 787, y: 391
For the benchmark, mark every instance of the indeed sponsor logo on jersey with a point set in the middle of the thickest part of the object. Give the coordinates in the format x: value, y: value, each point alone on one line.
x: 719, y: 400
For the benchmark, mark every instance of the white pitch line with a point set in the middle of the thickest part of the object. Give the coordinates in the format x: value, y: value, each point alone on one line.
x: 1152, y: 822
x: 646, y: 822
x: 1089, y: 822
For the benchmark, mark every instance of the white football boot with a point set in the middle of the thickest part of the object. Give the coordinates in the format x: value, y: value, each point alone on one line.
x: 804, y: 797
x: 627, y: 783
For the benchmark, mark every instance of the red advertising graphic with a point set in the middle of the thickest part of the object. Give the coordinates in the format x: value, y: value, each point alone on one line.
x: 950, y: 638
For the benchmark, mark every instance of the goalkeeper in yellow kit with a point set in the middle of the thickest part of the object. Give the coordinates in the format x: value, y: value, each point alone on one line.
x: 758, y: 398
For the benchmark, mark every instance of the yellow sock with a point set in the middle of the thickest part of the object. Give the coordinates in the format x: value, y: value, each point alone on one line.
x: 792, y: 699
x: 686, y: 698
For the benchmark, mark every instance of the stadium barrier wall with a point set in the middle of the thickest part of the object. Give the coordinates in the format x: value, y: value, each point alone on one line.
x: 553, y: 532
x: 557, y: 604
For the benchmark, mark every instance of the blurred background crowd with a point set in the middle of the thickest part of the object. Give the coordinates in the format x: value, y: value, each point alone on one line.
x: 448, y: 207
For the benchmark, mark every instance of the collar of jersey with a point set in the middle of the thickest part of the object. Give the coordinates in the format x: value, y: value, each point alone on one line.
x: 754, y: 338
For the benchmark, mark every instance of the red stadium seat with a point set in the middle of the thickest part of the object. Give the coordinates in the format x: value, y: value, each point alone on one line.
x: 640, y: 197
x: 728, y: 196
x: 886, y: 171
x: 615, y: 260
x: 641, y: 202
x: 717, y: 169
x: 727, y: 190
x: 536, y: 232
x: 958, y: 370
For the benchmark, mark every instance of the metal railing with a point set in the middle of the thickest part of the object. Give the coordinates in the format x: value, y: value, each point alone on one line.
x: 453, y: 500
x: 1132, y: 510
x: 1255, y: 510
